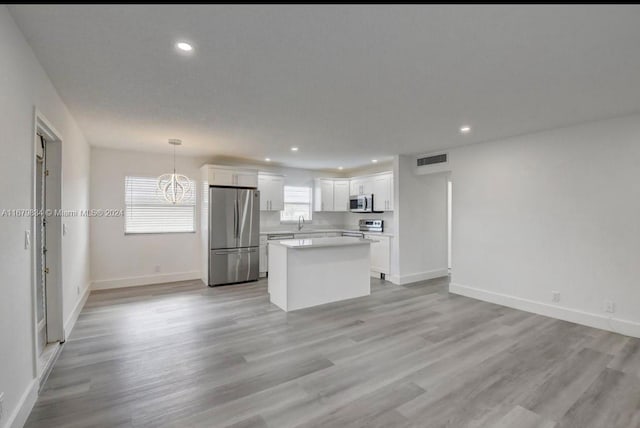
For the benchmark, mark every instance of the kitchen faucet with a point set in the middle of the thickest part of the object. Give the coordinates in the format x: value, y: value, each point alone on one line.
x: 300, y: 219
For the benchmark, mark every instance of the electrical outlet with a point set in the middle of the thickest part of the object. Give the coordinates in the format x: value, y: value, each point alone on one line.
x: 609, y: 306
x: 1, y: 405
x: 157, y: 268
x: 555, y: 296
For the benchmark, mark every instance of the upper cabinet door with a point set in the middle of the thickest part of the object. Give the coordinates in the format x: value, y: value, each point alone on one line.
x: 383, y: 192
x: 277, y: 194
x: 264, y: 185
x: 221, y: 177
x: 341, y: 195
x: 326, y: 195
x: 271, y: 192
x: 354, y: 187
x: 367, y: 186
x: 244, y: 179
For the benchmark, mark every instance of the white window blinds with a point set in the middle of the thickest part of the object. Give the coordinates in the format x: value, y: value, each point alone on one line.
x: 146, y: 211
x: 297, y: 202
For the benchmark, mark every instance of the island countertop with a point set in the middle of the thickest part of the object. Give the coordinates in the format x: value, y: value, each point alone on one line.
x: 342, y: 241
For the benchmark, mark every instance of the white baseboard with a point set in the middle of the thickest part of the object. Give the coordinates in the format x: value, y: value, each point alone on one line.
x: 616, y: 325
x: 104, y: 284
x: 420, y: 276
x: 19, y: 417
x: 73, y: 317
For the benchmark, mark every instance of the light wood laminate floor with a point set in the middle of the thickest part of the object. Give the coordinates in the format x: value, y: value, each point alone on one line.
x: 185, y: 355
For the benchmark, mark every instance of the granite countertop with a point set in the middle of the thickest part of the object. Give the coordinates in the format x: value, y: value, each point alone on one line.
x: 342, y: 241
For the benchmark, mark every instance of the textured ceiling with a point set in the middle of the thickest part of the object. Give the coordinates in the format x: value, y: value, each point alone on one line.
x: 344, y: 83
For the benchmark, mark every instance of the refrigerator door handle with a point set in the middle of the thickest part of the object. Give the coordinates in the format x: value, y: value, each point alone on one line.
x: 235, y: 219
x: 238, y: 220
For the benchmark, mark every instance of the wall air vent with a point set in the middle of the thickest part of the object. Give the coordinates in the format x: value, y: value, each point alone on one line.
x: 431, y: 160
x: 432, y: 163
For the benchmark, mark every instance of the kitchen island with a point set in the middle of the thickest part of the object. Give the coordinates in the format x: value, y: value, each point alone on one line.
x: 311, y: 272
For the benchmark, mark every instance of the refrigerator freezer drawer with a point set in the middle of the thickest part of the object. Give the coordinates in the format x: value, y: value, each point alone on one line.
x: 233, y: 265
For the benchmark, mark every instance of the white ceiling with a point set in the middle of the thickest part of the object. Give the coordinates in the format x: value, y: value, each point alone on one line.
x: 344, y: 83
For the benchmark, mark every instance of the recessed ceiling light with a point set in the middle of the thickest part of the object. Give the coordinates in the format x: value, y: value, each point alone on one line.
x: 374, y: 160
x: 465, y: 129
x: 267, y: 159
x: 340, y: 168
x: 294, y: 149
x: 184, y: 46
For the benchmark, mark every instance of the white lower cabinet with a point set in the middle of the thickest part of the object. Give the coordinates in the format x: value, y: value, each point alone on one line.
x: 380, y: 254
x: 263, y: 256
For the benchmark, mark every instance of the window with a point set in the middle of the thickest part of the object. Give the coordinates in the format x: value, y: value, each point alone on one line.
x: 146, y: 211
x: 297, y: 202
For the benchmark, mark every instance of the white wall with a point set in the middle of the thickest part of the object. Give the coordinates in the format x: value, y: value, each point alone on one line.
x: 419, y: 250
x: 23, y: 86
x: 552, y: 211
x: 119, y: 260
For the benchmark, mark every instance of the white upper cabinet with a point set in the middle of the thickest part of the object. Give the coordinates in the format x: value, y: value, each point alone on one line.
x: 246, y: 179
x: 383, y: 192
x: 331, y: 194
x: 230, y: 176
x: 340, y: 195
x: 354, y: 186
x: 323, y: 195
x: 221, y: 177
x: 361, y: 186
x: 271, y: 192
x: 380, y: 185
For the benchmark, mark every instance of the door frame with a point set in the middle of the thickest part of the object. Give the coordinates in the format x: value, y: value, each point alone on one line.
x: 55, y: 322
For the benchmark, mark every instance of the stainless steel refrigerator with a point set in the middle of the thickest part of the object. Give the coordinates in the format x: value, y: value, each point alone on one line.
x: 234, y: 223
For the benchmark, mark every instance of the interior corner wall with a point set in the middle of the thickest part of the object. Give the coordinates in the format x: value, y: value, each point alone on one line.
x: 25, y: 86
x: 552, y: 211
x: 420, y: 221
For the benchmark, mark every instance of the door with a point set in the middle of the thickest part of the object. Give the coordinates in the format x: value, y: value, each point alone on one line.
x: 246, y: 180
x: 263, y: 259
x: 381, y: 193
x: 41, y: 259
x: 341, y: 195
x: 265, y: 187
x: 221, y: 177
x: 248, y: 231
x: 223, y: 217
x: 326, y: 192
x: 233, y: 265
x: 367, y: 186
x: 355, y: 187
x: 277, y: 194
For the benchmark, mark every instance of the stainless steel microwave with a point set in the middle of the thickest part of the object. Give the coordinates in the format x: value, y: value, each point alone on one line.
x: 361, y: 203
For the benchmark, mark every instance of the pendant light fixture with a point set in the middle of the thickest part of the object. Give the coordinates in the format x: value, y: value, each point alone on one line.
x: 174, y: 187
